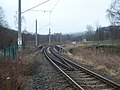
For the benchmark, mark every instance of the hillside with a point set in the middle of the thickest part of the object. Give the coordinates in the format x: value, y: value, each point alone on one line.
x: 78, y: 34
x: 7, y: 37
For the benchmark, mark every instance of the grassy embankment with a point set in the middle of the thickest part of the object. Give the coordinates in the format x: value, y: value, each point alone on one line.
x: 105, y: 58
x: 13, y: 74
x: 105, y: 42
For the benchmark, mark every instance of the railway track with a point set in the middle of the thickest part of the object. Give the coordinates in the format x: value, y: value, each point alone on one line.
x: 79, y: 77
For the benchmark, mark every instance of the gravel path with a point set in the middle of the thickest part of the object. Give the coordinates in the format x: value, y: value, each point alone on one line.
x: 45, y: 77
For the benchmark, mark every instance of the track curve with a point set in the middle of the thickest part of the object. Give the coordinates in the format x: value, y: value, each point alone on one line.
x: 78, y: 76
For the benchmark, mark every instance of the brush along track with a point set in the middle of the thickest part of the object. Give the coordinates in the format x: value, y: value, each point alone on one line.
x: 80, y: 77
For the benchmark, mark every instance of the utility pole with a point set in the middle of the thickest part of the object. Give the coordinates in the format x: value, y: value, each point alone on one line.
x: 19, y: 22
x: 50, y: 24
x: 49, y: 37
x: 61, y: 38
x: 50, y: 28
x: 36, y: 33
x: 19, y: 27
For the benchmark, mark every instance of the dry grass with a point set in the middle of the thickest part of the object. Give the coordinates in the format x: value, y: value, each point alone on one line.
x: 13, y: 73
x: 99, y: 59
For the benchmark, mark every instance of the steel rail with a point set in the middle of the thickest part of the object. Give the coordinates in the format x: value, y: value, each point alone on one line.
x: 62, y: 60
x: 61, y: 64
x: 76, y: 85
x: 110, y: 82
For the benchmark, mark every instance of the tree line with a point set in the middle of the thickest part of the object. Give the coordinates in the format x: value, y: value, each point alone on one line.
x: 7, y: 37
x: 111, y: 32
x: 103, y: 33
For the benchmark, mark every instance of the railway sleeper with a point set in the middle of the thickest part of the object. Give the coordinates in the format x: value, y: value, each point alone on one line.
x: 89, y: 82
x: 81, y: 76
x: 100, y: 86
x: 75, y: 73
x: 85, y: 79
x: 109, y: 89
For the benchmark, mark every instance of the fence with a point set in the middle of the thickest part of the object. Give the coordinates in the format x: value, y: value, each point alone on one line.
x: 8, y: 53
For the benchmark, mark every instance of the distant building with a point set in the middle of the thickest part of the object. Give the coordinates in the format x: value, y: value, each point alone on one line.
x: 84, y: 40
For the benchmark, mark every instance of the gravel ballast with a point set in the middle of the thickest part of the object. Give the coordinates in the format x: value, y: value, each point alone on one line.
x: 46, y: 77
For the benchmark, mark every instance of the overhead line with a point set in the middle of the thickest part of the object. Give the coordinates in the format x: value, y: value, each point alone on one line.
x: 34, y: 7
x: 55, y: 5
x: 44, y: 26
x: 41, y: 10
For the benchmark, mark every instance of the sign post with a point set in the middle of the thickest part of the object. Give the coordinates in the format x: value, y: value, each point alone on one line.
x: 19, y: 27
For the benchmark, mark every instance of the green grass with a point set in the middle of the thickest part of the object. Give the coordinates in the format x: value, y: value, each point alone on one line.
x: 105, y: 42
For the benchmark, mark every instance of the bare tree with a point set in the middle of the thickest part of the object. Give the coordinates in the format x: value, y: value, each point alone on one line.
x: 3, y: 22
x: 114, y: 12
x: 23, y: 24
x: 114, y: 17
x: 89, y: 32
x: 90, y: 29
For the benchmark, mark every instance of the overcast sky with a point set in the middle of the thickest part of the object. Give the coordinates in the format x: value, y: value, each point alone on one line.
x: 67, y: 17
